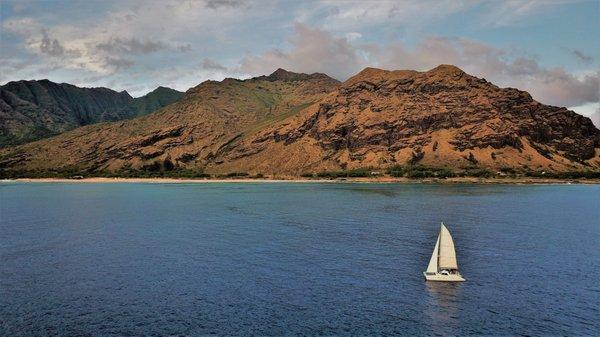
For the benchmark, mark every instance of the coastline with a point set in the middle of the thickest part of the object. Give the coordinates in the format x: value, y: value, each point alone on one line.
x: 380, y: 180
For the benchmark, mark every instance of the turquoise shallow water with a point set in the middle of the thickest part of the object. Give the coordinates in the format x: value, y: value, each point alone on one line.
x: 296, y: 259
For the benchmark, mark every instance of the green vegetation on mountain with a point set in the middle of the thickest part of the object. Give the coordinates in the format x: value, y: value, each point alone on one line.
x: 154, y: 100
x: 32, y: 110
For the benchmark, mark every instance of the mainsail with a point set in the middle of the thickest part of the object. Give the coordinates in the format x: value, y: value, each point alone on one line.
x: 447, y: 254
x: 433, y: 263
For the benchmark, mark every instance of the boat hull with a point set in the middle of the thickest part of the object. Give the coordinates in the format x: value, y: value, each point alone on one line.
x: 444, y: 278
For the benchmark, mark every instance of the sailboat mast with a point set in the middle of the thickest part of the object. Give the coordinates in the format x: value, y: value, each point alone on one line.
x: 440, y: 248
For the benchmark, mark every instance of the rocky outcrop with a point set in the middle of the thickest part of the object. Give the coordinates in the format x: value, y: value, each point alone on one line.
x: 397, y: 116
x: 288, y: 123
x: 288, y: 76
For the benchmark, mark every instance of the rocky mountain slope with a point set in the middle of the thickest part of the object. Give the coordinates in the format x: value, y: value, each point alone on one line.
x: 31, y: 110
x: 291, y: 124
x: 442, y: 117
x: 200, y: 127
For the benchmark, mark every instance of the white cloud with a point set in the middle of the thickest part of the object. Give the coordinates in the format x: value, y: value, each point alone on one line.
x: 591, y: 110
x: 587, y: 109
x: 352, y: 36
x: 313, y: 50
x: 595, y: 117
x: 101, y: 44
x: 212, y: 65
x: 317, y: 50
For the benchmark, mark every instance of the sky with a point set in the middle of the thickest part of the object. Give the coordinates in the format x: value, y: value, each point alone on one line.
x: 549, y: 48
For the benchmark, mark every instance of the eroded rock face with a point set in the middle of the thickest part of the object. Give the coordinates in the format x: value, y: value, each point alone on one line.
x: 288, y: 123
x: 402, y: 113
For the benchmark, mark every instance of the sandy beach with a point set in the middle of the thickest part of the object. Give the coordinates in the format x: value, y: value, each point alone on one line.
x: 382, y: 180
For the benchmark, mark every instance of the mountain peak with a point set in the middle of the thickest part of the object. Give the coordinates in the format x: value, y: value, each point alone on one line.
x: 161, y: 89
x: 376, y: 74
x: 283, y: 75
x: 282, y: 72
x: 371, y: 73
x: 446, y: 69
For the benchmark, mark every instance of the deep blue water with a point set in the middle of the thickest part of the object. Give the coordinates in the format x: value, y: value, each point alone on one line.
x: 296, y: 259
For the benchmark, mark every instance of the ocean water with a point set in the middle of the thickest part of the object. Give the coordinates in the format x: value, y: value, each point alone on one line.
x: 296, y: 259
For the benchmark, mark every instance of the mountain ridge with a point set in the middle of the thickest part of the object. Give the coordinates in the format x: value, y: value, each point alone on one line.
x: 35, y: 109
x: 293, y: 125
x: 382, y: 118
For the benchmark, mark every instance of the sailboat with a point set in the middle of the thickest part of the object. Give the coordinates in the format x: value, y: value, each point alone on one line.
x: 443, y: 266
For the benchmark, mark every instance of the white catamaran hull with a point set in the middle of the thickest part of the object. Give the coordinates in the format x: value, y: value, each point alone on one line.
x: 444, y: 278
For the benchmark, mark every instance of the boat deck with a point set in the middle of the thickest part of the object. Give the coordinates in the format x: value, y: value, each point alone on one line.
x: 444, y: 278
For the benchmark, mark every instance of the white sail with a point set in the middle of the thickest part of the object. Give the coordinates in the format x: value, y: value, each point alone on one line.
x: 446, y: 251
x: 433, y: 263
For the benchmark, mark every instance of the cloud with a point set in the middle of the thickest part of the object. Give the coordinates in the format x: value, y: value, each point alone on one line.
x: 43, y: 43
x: 51, y: 46
x: 216, y: 4
x: 96, y: 43
x: 313, y: 50
x: 116, y: 64
x: 184, y: 48
x: 209, y: 64
x: 591, y: 110
x: 20, y: 6
x: 353, y: 36
x: 130, y: 46
x: 23, y: 26
x: 595, y: 117
x: 349, y: 15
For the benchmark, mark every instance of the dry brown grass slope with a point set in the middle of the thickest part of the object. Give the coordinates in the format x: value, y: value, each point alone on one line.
x: 288, y: 124
x: 442, y: 117
x: 208, y: 120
